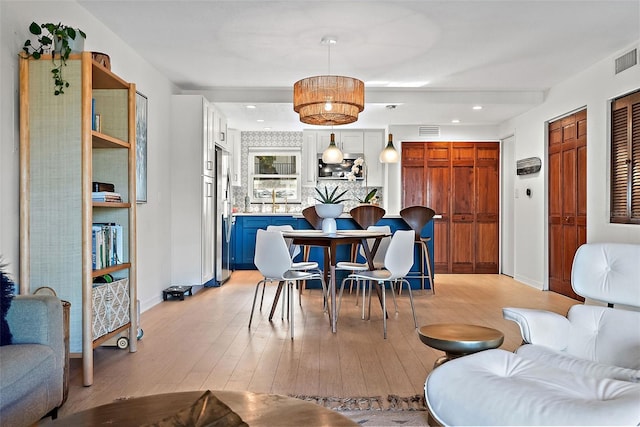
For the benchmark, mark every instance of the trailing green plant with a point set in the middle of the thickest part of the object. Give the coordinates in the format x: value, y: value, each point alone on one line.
x: 330, y: 198
x: 369, y: 197
x: 56, y: 41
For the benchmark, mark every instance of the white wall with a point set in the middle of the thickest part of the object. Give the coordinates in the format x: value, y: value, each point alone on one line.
x: 592, y: 88
x: 153, y: 217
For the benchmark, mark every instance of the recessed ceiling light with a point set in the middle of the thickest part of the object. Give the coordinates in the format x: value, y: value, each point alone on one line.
x: 329, y: 40
x: 477, y: 107
x: 376, y: 83
x: 455, y: 121
x: 267, y: 128
x: 408, y: 84
x: 384, y: 83
x: 251, y: 107
x: 260, y: 120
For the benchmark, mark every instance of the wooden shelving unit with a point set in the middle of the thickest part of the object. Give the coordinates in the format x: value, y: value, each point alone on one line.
x: 60, y: 156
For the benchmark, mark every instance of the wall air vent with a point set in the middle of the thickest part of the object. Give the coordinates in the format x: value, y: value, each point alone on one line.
x: 429, y: 131
x: 627, y: 60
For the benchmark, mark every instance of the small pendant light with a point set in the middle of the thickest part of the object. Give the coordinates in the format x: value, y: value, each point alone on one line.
x: 389, y: 154
x: 332, y: 153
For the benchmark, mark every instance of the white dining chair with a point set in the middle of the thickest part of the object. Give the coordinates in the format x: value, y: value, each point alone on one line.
x: 273, y: 260
x: 397, y: 263
x: 294, y: 250
x: 378, y: 262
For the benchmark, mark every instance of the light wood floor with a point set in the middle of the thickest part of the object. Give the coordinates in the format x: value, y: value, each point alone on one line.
x: 203, y: 342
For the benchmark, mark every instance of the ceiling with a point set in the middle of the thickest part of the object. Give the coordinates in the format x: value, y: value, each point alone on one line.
x: 502, y: 55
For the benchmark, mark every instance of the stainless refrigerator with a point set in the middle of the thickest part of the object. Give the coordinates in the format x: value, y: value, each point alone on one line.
x: 223, y: 218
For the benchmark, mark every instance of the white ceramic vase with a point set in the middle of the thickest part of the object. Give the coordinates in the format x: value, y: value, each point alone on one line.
x: 76, y: 45
x: 329, y: 212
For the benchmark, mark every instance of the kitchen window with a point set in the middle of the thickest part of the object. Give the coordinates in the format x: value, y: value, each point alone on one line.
x: 274, y: 176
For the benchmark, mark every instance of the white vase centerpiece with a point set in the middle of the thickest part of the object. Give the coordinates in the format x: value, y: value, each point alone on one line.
x: 329, y: 208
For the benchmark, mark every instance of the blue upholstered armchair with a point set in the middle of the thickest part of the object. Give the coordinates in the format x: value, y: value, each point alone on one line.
x: 32, y: 367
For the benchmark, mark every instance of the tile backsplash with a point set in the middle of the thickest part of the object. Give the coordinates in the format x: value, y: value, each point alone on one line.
x: 289, y: 139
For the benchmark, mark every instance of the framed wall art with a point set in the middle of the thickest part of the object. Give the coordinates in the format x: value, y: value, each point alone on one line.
x: 141, y: 148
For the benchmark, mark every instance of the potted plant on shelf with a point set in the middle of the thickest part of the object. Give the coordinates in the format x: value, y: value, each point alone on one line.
x: 60, y: 40
x: 370, y: 198
x: 330, y: 207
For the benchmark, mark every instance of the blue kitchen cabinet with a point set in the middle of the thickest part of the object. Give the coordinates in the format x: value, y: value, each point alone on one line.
x: 244, y: 236
x: 246, y: 228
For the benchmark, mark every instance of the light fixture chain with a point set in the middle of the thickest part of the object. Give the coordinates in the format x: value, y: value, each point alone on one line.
x: 329, y: 59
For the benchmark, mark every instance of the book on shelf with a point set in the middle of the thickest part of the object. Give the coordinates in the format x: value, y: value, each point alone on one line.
x: 107, y: 245
x: 106, y: 196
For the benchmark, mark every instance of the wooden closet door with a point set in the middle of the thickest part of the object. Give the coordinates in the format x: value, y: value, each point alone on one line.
x: 567, y: 198
x: 487, y: 205
x: 460, y: 181
x: 438, y: 186
x: 463, y: 190
x: 413, y: 174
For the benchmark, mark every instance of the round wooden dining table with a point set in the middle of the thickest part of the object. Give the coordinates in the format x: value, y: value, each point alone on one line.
x: 331, y: 241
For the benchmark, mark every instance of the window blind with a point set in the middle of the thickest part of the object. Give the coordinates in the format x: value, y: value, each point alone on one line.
x: 625, y: 159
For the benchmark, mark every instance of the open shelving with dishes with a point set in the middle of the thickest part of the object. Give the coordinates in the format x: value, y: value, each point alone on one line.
x: 62, y: 154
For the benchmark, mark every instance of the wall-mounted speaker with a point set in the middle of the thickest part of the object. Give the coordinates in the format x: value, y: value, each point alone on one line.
x: 528, y: 166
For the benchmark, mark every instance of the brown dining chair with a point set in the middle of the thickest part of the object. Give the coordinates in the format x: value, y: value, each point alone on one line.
x: 365, y: 216
x: 309, y: 213
x: 417, y: 217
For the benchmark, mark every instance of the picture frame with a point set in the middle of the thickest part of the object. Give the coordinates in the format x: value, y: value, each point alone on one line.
x: 141, y: 147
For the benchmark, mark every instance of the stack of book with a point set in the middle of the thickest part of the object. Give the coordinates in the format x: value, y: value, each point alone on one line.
x: 106, y: 196
x: 107, y: 245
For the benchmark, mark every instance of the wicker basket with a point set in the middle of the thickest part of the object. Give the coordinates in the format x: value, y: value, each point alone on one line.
x: 110, y: 307
x: 66, y: 315
x: 102, y: 59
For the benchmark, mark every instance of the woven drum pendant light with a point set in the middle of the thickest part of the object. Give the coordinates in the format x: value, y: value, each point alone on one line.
x: 328, y: 100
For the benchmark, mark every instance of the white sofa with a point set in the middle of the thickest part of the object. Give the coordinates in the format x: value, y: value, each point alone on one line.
x: 583, y: 369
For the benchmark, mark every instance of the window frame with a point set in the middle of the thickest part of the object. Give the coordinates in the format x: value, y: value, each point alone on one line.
x: 252, y: 176
x: 624, y: 150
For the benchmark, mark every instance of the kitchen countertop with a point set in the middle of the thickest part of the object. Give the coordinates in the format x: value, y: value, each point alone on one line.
x: 299, y: 214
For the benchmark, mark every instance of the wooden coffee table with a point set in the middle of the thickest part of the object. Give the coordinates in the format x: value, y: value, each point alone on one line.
x: 457, y: 339
x: 255, y: 409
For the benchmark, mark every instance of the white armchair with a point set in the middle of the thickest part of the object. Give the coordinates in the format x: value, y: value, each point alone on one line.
x: 582, y: 369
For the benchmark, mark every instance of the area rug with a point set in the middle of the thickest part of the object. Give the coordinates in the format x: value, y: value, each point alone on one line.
x: 373, y: 411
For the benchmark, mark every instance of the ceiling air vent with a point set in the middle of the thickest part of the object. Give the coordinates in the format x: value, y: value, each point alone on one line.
x: 429, y: 131
x: 627, y: 60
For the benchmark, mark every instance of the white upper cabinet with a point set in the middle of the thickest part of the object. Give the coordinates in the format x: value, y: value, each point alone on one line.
x: 349, y: 141
x: 219, y: 129
x: 309, y: 158
x: 352, y: 142
x: 235, y: 148
x: 373, y: 145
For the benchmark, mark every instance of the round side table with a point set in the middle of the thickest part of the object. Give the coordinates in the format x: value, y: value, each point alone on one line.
x: 457, y: 339
x: 255, y: 409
